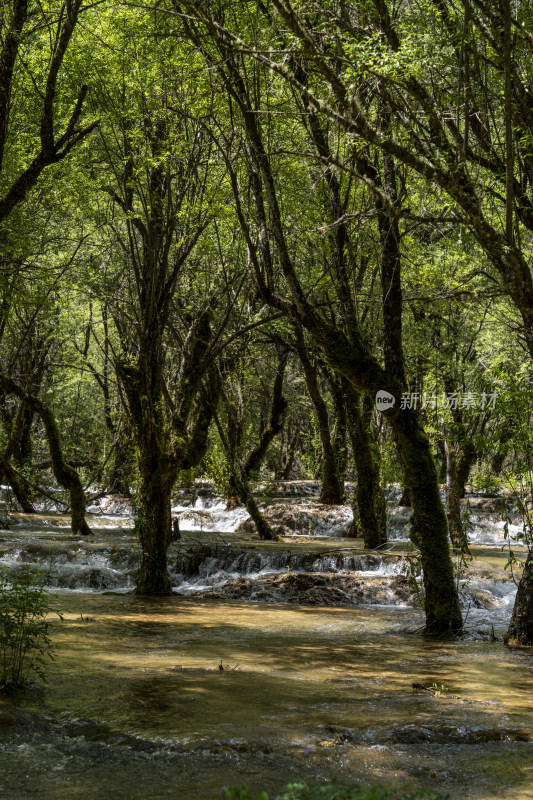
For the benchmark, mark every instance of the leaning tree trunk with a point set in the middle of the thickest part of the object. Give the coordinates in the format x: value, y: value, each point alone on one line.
x: 262, y: 525
x: 429, y: 527
x: 64, y: 473
x: 18, y: 485
x: 239, y: 483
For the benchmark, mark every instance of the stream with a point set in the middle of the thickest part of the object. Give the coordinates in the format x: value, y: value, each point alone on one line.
x: 319, y: 647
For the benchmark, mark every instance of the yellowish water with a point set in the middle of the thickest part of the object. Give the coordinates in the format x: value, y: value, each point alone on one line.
x: 325, y: 692
x: 136, y: 706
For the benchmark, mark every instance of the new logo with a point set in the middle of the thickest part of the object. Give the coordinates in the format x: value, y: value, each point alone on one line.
x: 384, y: 400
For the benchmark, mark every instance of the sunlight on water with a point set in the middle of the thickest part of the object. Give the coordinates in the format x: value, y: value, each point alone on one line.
x: 137, y: 707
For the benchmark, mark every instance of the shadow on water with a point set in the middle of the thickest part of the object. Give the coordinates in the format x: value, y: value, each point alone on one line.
x: 137, y: 707
x: 323, y: 691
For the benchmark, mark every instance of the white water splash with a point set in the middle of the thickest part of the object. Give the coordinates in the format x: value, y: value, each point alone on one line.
x: 209, y: 514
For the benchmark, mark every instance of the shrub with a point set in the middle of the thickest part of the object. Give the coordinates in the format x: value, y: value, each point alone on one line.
x: 301, y: 790
x: 25, y: 644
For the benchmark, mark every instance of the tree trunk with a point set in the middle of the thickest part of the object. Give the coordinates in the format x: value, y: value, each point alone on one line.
x: 404, y: 500
x: 464, y: 452
x: 22, y: 445
x: 429, y: 527
x: 64, y: 473
x: 332, y: 490
x: 340, y: 425
x: 288, y: 452
x: 502, y: 448
x: 371, y: 510
x: 120, y: 477
x: 274, y: 425
x: 520, y: 629
x: 157, y: 474
x: 153, y: 527
x: 465, y: 462
x: 159, y: 465
x: 262, y: 527
x: 453, y: 500
x: 18, y: 484
x: 239, y: 482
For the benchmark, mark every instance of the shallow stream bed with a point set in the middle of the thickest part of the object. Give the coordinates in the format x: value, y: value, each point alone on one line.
x: 137, y: 707
x: 141, y: 708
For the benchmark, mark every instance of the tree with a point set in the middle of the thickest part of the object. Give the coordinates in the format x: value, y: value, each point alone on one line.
x: 332, y: 490
x: 64, y: 473
x: 40, y: 124
x: 163, y: 288
x: 344, y: 349
x: 20, y: 170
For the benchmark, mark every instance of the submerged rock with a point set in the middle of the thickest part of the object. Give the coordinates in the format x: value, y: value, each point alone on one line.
x: 312, y: 589
x: 209, y: 560
x: 111, y: 505
x: 313, y: 519
x: 462, y: 734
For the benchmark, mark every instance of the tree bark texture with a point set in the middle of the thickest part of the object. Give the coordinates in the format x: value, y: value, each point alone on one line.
x: 332, y: 489
x: 64, y: 473
x: 453, y: 500
x: 520, y: 629
x: 370, y: 500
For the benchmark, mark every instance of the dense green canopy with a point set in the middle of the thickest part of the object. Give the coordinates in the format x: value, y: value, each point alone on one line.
x: 225, y: 228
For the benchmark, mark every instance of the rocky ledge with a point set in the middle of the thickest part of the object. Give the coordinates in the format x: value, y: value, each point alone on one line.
x: 311, y: 589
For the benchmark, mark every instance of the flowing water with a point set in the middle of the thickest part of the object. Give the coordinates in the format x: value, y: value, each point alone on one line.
x: 136, y: 705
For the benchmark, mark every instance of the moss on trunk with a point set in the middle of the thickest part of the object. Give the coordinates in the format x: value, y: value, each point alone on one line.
x: 453, y: 500
x: 262, y: 527
x: 18, y: 484
x: 153, y: 526
x: 370, y: 499
x: 429, y: 528
x: 520, y: 629
x: 64, y: 473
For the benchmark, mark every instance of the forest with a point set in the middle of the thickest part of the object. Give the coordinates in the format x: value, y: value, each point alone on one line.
x: 264, y: 252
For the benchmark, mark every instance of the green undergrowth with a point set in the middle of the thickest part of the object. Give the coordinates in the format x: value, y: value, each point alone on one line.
x: 302, y: 790
x: 25, y: 645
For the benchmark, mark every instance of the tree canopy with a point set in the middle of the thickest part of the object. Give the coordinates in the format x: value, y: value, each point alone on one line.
x: 227, y: 228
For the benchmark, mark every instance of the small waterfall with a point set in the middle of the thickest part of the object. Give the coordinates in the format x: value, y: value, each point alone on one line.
x: 330, y: 579
x: 81, y: 571
x: 105, y: 562
x: 212, y: 560
x: 251, y: 570
x: 208, y: 514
